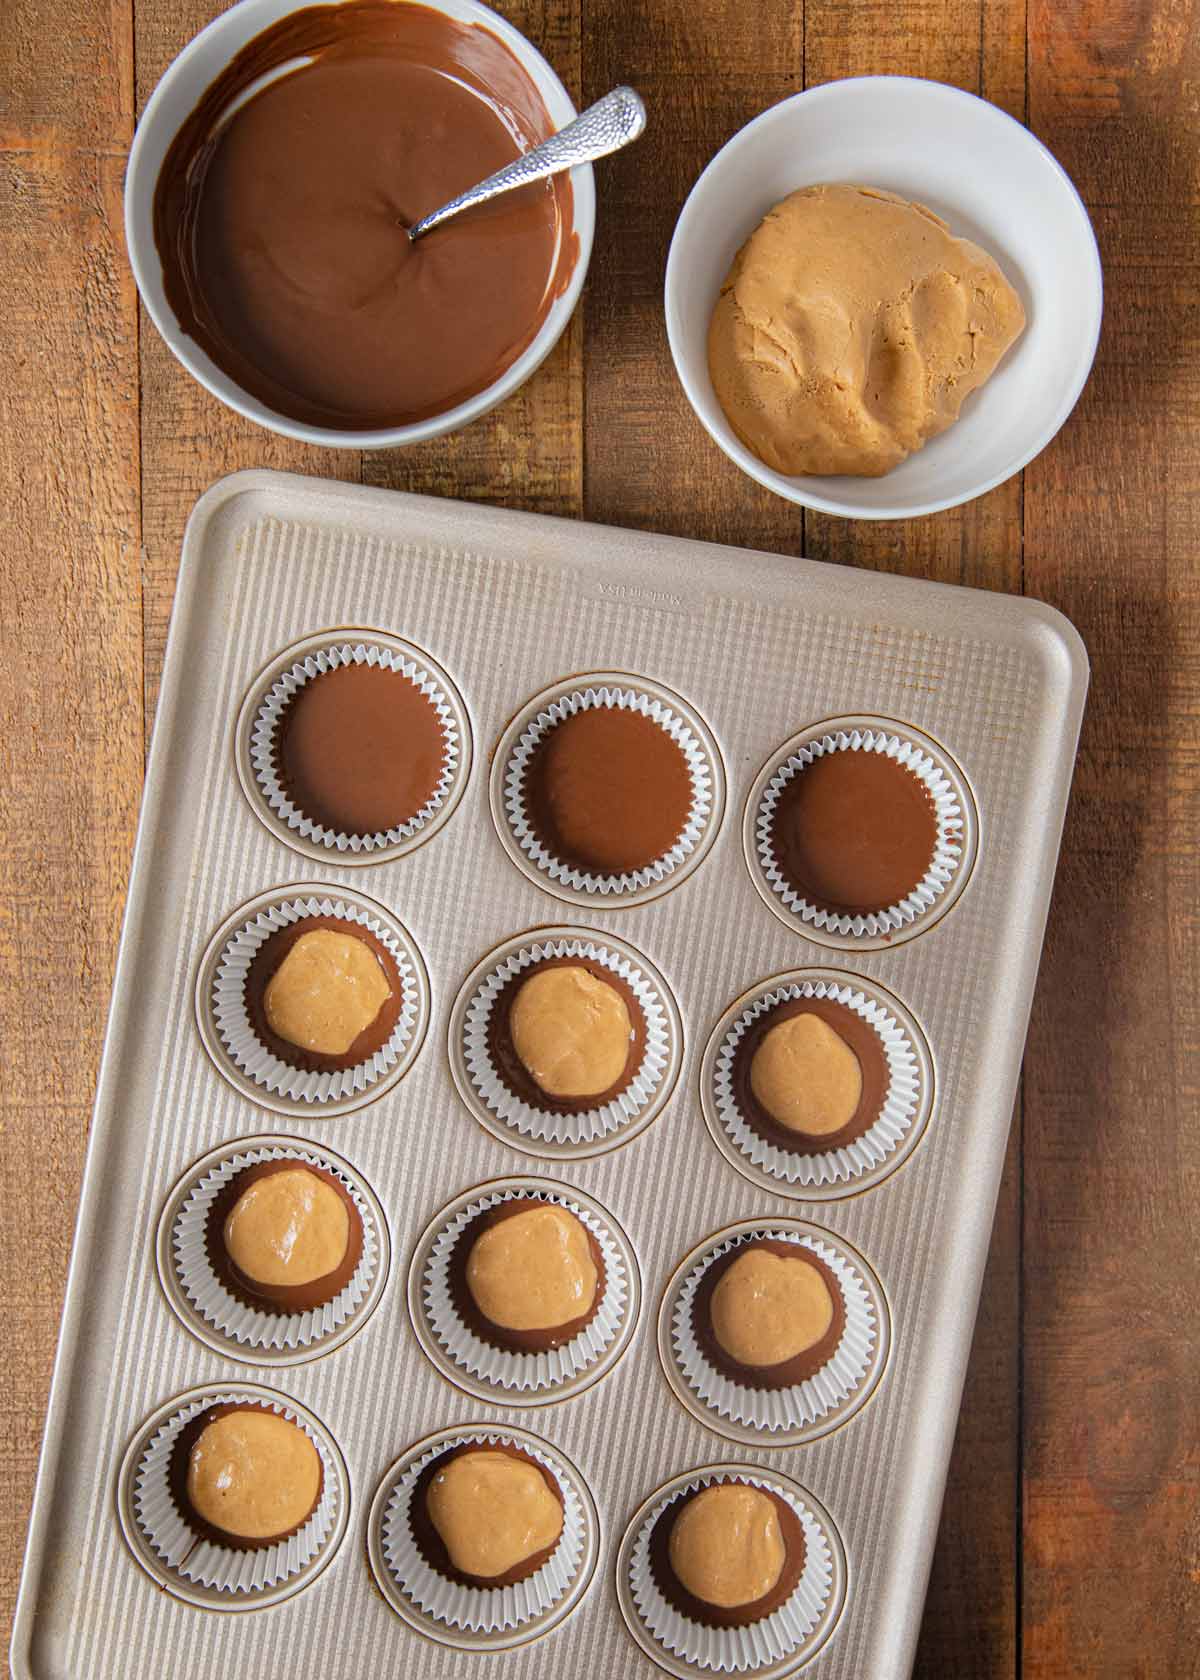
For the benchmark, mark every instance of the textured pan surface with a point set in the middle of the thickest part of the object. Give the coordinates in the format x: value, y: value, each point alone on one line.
x: 762, y: 647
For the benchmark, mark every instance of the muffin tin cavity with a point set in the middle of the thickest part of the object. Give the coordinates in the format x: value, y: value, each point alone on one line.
x: 432, y: 697
x: 224, y: 1013
x: 684, y: 764
x: 776, y: 1416
x: 474, y: 1618
x: 513, y: 1109
x: 940, y: 868
x: 256, y: 1333
x: 808, y: 1172
x: 165, y: 1541
x: 777, y: 1644
x: 466, y: 1357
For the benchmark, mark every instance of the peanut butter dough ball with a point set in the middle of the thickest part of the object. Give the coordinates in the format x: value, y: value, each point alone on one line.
x: 533, y: 1271
x: 492, y: 1512
x: 571, y: 1031
x: 807, y: 1077
x: 767, y: 1309
x: 726, y: 1545
x: 253, y: 1474
x: 851, y: 328
x: 327, y: 990
x: 287, y: 1228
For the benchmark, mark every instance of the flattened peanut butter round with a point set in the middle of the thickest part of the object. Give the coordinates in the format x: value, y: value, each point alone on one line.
x: 767, y: 1309
x: 253, y: 1474
x: 571, y: 1031
x: 287, y: 1228
x: 807, y: 1077
x: 726, y: 1545
x: 327, y: 990
x: 534, y: 1271
x: 492, y: 1512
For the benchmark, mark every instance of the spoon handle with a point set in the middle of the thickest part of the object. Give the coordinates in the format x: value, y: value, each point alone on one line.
x: 606, y: 126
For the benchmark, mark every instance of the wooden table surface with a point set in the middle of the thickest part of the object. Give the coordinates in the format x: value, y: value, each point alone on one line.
x: 1070, y: 1543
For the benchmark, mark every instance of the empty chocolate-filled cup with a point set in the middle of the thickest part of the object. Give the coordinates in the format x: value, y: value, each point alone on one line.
x: 565, y: 1042
x: 860, y: 834
x: 816, y: 1083
x: 482, y: 1537
x: 607, y: 789
x: 697, y: 1604
x: 233, y: 1494
x: 357, y: 748
x: 318, y: 1000
x: 524, y: 1291
x: 773, y: 1332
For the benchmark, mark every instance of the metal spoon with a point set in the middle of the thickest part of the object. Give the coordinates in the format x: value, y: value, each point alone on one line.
x: 606, y: 126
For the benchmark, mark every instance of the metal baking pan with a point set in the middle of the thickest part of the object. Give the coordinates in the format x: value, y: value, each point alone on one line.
x: 762, y: 648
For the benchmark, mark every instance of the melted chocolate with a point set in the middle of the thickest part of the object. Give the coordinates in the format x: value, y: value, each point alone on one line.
x: 177, y: 1471
x: 499, y: 1335
x: 854, y: 1031
x: 268, y: 958
x: 712, y: 1615
x: 281, y: 229
x: 608, y: 791
x: 430, y: 1543
x: 360, y: 749
x: 284, y: 1298
x: 511, y: 1069
x: 854, y: 832
x: 788, y: 1372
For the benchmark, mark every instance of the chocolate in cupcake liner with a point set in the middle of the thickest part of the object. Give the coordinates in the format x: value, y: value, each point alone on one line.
x: 259, y: 1327
x: 777, y: 1409
x: 227, y: 1569
x: 505, y: 1369
x: 499, y: 1103
x: 481, y: 1610
x: 242, y: 1044
x: 739, y: 1650
x: 701, y: 770
x: 901, y: 1104
x: 948, y: 846
x: 274, y: 705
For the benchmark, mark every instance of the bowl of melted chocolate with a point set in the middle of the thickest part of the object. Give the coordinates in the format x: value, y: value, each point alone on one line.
x: 271, y: 183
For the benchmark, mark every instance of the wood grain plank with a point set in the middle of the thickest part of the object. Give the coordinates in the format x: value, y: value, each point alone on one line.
x: 1111, y: 1367
x: 189, y: 439
x: 972, y: 1611
x: 704, y: 67
x: 529, y: 452
x: 70, y: 698
x: 705, y: 70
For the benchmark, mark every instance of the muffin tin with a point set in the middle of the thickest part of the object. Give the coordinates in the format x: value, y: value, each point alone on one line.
x: 755, y: 656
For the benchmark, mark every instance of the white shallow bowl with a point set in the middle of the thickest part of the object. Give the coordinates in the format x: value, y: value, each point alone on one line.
x: 993, y: 182
x: 176, y: 96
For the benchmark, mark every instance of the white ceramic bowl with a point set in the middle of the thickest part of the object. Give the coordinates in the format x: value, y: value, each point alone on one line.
x: 196, y: 68
x: 992, y: 182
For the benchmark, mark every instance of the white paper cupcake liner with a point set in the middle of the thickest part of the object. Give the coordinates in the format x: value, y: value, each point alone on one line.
x: 737, y: 1650
x: 947, y: 854
x: 523, y: 1372
x: 589, y: 1124
x: 481, y: 1610
x: 850, y: 1160
x: 225, y: 1568
x: 242, y: 1043
x: 275, y: 704
x: 699, y: 769
x: 257, y: 1327
x: 779, y: 1408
